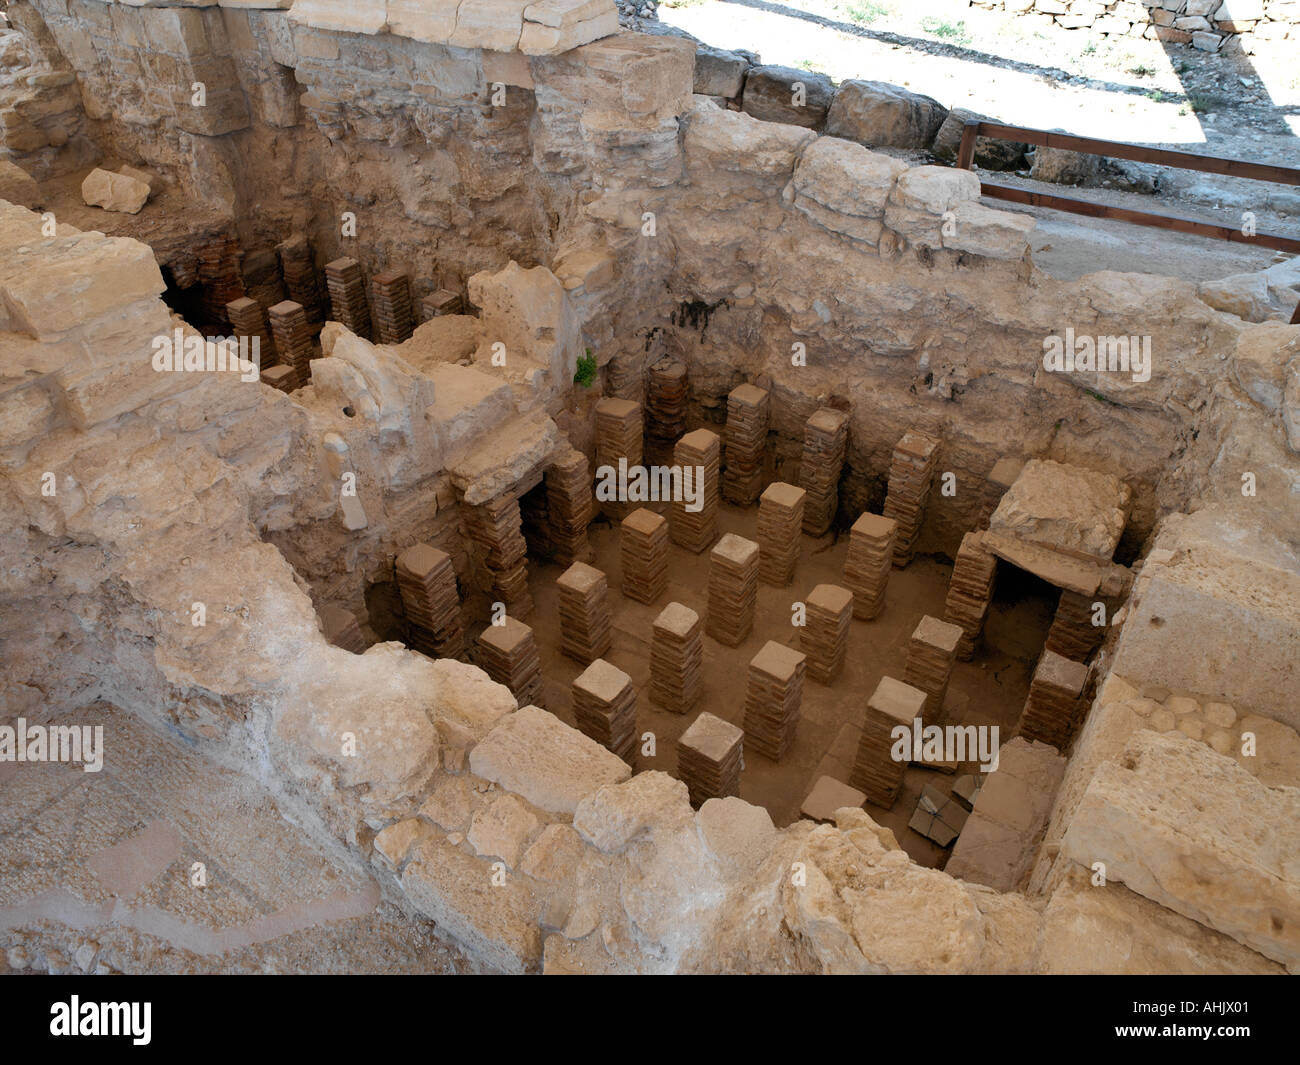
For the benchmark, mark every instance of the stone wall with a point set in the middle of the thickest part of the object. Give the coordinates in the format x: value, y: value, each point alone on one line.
x: 1209, y: 25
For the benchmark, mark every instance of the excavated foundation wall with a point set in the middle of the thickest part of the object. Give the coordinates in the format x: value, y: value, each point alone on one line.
x: 521, y: 838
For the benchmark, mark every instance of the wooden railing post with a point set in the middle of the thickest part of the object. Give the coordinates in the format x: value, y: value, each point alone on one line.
x: 966, y: 154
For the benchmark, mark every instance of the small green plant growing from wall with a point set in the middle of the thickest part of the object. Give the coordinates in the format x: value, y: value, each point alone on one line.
x: 586, y: 372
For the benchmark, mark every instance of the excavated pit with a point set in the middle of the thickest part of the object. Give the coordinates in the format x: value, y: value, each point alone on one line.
x: 470, y: 307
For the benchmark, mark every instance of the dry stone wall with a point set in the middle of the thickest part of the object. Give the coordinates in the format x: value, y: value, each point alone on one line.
x: 1209, y: 25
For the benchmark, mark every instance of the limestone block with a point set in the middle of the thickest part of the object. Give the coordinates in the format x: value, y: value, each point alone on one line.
x: 560, y: 13
x: 538, y: 39
x: 506, y: 68
x: 784, y: 94
x: 719, y: 139
x: 1113, y: 931
x: 140, y: 175
x: 621, y: 84
x: 934, y: 189
x: 468, y: 696
x: 844, y: 187
x: 423, y: 20
x: 1211, y: 596
x: 1190, y: 829
x: 878, y: 114
x: 1065, y: 507
x: 25, y: 413
x: 1065, y: 167
x: 719, y: 72
x: 97, y: 392
x: 494, y: 24
x: 555, y: 855
x: 1260, y: 361
x: 112, y: 273
x: 984, y: 231
x: 617, y: 814
x: 395, y: 841
x: 921, y: 197
x: 495, y: 921
x: 263, y: 5
x: 1000, y: 839
x: 347, y: 16
x: 528, y: 312
x: 1260, y: 296
x: 159, y: 3
x: 739, y: 834
x: 17, y: 186
x: 522, y: 446
x: 114, y: 192
x: 553, y: 766
x: 451, y: 802
x: 502, y: 829
x: 178, y: 31
x: 468, y: 403
x: 380, y: 698
x: 1276, y: 761
x: 991, y: 154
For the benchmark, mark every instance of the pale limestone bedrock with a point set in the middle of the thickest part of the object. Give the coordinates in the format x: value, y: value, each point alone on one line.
x: 1191, y: 830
